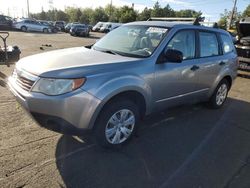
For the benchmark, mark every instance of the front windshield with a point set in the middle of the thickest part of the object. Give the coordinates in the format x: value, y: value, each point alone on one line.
x: 132, y: 40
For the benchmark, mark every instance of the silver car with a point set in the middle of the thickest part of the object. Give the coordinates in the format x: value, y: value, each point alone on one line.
x: 137, y: 69
x: 31, y: 25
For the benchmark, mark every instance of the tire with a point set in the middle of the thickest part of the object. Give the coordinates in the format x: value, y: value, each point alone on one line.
x: 220, y: 95
x: 114, y: 135
x: 45, y: 30
x: 54, y: 30
x: 24, y: 28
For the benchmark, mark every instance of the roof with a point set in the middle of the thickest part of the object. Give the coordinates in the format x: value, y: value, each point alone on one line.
x: 171, y: 19
x: 159, y: 23
x: 172, y: 24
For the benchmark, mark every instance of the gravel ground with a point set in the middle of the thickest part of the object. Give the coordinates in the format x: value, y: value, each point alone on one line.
x: 31, y: 156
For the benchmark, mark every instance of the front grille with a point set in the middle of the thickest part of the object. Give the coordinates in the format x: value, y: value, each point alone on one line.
x: 243, y: 52
x: 24, y: 81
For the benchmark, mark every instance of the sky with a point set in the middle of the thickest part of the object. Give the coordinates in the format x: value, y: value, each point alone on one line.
x: 211, y: 9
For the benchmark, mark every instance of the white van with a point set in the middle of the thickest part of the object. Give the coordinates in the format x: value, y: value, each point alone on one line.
x: 109, y: 26
x: 97, y: 26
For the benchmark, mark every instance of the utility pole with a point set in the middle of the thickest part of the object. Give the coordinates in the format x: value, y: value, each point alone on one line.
x: 110, y: 13
x: 232, y: 15
x: 28, y: 8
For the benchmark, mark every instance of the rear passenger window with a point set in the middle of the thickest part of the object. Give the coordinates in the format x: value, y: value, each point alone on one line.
x: 208, y: 44
x: 227, y: 44
x: 184, y: 41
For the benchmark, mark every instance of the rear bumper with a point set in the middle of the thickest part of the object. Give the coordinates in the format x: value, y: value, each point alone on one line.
x: 71, y: 111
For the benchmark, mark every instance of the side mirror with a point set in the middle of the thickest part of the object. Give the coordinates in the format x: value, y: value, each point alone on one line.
x: 174, y: 56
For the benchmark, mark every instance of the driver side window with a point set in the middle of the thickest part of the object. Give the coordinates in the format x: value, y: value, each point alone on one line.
x: 184, y: 41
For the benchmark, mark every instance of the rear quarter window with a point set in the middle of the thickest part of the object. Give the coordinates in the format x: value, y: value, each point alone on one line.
x: 227, y: 44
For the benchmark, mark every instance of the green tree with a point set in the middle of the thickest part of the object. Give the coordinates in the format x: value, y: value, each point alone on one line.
x: 74, y: 14
x: 246, y: 12
x: 60, y: 15
x: 189, y: 13
x: 224, y: 19
x: 145, y: 14
x: 157, y: 11
x: 42, y: 15
x: 168, y: 11
x: 112, y: 12
x: 128, y: 14
x: 86, y: 15
x: 51, y: 15
x: 99, y: 14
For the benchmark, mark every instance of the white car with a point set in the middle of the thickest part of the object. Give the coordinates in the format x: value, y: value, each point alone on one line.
x: 31, y: 25
x: 109, y: 26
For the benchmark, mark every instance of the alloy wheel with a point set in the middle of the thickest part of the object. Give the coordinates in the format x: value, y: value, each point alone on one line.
x: 120, y: 126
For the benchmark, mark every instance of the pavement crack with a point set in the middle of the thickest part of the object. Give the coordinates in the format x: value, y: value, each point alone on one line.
x: 146, y: 168
x: 26, y: 143
x: 237, y: 173
x: 243, y: 128
x: 18, y: 169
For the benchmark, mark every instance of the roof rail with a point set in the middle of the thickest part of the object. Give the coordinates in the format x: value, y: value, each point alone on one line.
x: 194, y: 21
x: 210, y: 24
x: 171, y: 19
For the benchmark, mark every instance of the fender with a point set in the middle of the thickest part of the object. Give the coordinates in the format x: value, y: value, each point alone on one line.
x: 225, y: 72
x: 118, y: 85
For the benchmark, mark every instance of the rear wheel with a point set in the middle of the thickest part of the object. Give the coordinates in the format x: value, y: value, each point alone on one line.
x: 24, y: 28
x: 116, y: 123
x: 45, y: 30
x: 220, y: 95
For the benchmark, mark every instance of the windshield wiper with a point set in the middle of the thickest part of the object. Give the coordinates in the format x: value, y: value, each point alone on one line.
x: 109, y: 52
x: 106, y: 51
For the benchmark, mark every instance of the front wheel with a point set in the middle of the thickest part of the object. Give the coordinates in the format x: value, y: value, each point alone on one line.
x: 116, y: 123
x: 220, y: 95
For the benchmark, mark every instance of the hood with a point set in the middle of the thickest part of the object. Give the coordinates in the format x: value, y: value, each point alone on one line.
x: 71, y: 62
x: 243, y: 27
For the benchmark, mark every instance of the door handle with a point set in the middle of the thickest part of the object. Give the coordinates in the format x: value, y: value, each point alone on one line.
x: 222, y: 63
x: 194, y: 68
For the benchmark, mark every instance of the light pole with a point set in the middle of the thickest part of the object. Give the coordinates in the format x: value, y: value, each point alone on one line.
x: 110, y: 13
x: 232, y: 15
x: 28, y: 8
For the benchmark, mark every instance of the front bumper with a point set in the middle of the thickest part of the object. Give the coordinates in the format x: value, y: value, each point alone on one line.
x: 74, y: 110
x: 244, y: 64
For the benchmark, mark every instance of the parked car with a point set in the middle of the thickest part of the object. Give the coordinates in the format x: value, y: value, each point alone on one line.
x: 79, y: 30
x: 31, y: 25
x: 109, y: 26
x: 243, y: 43
x: 49, y: 24
x: 98, y: 26
x: 60, y: 25
x: 90, y: 27
x: 109, y: 87
x: 5, y: 22
x: 69, y: 25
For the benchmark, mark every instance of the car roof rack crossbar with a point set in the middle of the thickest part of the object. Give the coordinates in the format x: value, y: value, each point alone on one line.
x: 195, y: 21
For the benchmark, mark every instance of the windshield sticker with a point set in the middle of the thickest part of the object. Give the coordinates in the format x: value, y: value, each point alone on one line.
x: 156, y: 30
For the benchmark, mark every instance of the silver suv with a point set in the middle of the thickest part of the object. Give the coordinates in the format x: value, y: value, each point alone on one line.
x: 136, y: 69
x: 31, y: 25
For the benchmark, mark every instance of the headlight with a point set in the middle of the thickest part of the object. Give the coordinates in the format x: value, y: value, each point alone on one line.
x: 50, y: 86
